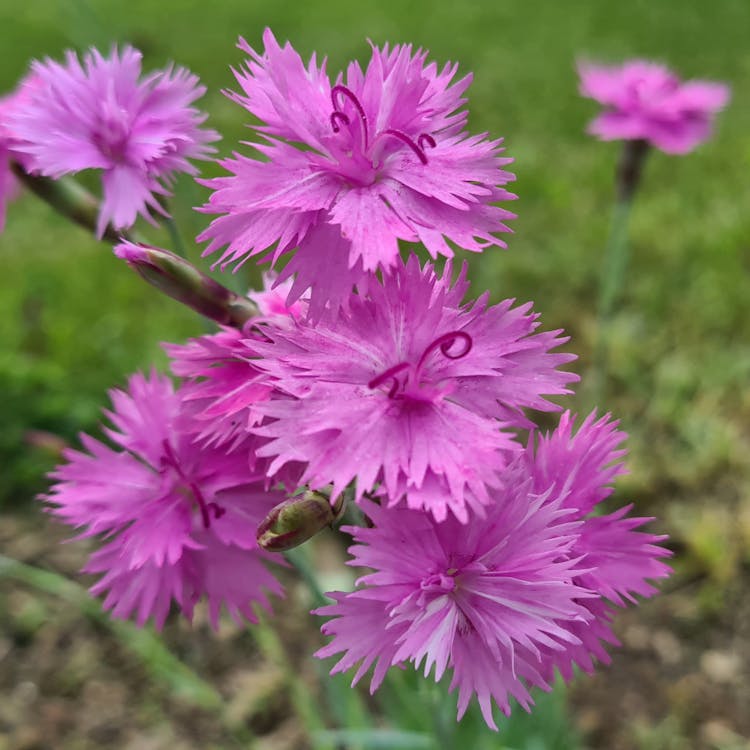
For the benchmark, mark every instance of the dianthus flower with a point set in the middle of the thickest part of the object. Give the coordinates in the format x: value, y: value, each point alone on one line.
x: 504, y: 600
x: 646, y: 101
x: 407, y: 388
x: 616, y: 560
x: 385, y: 158
x: 480, y: 599
x: 223, y: 385
x: 180, y: 520
x: 9, y: 144
x: 103, y: 115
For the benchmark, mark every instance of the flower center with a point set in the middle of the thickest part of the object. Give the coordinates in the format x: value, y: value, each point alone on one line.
x: 190, y: 489
x: 407, y: 379
x: 112, y: 129
x: 371, y: 148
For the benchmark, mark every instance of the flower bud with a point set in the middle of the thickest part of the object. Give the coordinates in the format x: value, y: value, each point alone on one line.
x: 297, y: 519
x: 181, y: 280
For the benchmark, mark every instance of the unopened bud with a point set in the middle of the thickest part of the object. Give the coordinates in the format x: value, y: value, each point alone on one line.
x: 46, y: 442
x: 181, y: 280
x: 297, y: 519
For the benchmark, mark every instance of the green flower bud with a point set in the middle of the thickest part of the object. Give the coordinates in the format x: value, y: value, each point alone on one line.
x: 297, y: 519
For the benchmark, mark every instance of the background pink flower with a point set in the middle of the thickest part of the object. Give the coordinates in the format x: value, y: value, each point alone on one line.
x: 10, y: 143
x: 646, y: 101
x: 102, y: 115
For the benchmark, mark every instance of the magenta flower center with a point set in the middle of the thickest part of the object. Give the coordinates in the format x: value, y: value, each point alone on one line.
x: 365, y: 151
x: 189, y: 488
x: 112, y: 131
x: 645, y: 90
x: 408, y: 380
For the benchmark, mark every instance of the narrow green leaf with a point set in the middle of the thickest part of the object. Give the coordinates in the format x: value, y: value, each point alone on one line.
x: 375, y: 739
x: 163, y: 665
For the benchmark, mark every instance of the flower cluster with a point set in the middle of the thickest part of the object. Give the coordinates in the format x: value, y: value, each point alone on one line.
x: 356, y: 377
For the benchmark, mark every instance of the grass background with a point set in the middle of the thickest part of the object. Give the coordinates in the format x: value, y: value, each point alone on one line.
x: 74, y: 321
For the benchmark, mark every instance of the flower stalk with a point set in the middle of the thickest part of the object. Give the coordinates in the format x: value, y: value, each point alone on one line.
x: 68, y: 198
x: 182, y: 281
x: 614, y: 266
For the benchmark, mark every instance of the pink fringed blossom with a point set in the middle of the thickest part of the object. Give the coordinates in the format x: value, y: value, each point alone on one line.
x: 103, y: 115
x: 646, y: 101
x: 8, y: 182
x: 272, y: 299
x: 480, y: 599
x: 9, y: 143
x: 180, y: 520
x: 223, y: 385
x: 617, y: 561
x: 407, y: 388
x: 501, y: 601
x: 386, y: 158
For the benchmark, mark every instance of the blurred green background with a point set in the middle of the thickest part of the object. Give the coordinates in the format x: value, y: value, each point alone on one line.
x: 74, y: 321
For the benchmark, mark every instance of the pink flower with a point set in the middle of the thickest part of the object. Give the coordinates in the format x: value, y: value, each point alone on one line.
x: 409, y: 389
x: 9, y: 143
x: 646, y: 101
x: 272, y: 299
x: 504, y: 600
x: 385, y: 158
x: 180, y: 521
x: 222, y: 388
x: 481, y: 599
x: 223, y: 385
x: 103, y: 115
x: 617, y: 561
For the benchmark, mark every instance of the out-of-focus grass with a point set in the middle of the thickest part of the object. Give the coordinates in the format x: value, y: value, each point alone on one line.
x: 74, y: 321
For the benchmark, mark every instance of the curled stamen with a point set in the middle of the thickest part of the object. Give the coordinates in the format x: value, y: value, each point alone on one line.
x: 340, y: 90
x: 444, y: 343
x: 389, y: 374
x: 426, y: 138
x: 336, y: 118
x: 408, y: 141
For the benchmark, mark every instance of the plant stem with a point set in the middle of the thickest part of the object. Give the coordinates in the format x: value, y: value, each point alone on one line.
x: 610, y: 285
x: 301, y: 562
x: 615, y: 261
x: 68, y: 198
x: 181, y: 280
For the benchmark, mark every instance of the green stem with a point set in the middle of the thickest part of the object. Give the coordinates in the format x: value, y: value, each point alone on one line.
x: 301, y: 562
x: 181, y: 280
x: 615, y: 260
x: 611, y: 283
x: 68, y: 198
